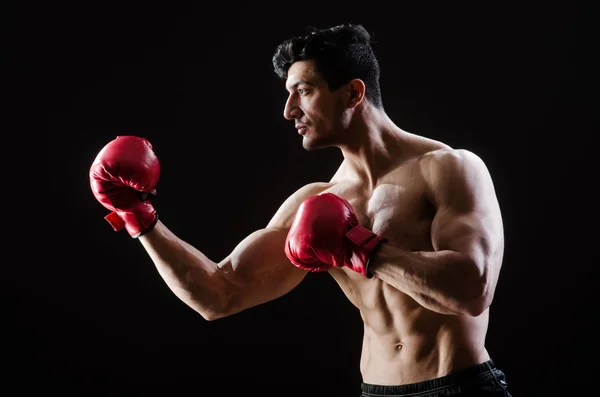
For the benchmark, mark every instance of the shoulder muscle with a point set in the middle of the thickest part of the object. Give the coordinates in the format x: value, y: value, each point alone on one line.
x: 284, y: 215
x: 468, y: 217
x: 458, y: 178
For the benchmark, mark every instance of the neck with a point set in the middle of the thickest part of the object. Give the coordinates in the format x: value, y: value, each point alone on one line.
x: 375, y: 143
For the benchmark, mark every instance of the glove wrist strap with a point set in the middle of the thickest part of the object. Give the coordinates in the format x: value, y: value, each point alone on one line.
x: 367, y: 243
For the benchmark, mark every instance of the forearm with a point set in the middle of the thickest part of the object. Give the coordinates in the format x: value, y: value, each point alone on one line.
x: 192, y: 277
x: 446, y: 282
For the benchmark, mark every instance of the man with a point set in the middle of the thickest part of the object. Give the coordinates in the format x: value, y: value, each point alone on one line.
x: 409, y: 227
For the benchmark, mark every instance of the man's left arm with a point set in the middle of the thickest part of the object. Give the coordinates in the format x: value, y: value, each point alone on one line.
x: 459, y: 276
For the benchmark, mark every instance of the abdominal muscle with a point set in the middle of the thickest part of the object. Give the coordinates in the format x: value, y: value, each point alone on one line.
x: 405, y: 343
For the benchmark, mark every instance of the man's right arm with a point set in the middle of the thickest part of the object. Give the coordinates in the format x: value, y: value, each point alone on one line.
x: 255, y: 272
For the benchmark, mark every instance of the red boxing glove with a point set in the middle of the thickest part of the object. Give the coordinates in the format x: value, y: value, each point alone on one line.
x: 325, y: 233
x: 124, y: 172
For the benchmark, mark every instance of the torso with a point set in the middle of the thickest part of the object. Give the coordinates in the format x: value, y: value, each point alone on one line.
x: 403, y: 342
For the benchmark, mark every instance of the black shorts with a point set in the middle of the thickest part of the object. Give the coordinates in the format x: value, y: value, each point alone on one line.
x: 482, y: 380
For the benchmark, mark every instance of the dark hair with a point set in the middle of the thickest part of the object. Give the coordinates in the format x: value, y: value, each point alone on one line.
x: 341, y: 53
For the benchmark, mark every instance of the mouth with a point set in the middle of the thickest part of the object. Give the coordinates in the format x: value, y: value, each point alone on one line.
x: 301, y: 129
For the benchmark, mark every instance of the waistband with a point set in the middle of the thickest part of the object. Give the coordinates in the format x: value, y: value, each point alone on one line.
x: 461, y: 377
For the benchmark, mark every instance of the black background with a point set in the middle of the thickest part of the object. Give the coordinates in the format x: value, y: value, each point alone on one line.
x: 94, y: 317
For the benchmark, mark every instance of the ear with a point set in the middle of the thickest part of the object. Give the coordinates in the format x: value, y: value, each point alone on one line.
x: 356, y: 91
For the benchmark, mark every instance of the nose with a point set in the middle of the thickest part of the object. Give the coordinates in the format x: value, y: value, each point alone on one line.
x: 291, y: 110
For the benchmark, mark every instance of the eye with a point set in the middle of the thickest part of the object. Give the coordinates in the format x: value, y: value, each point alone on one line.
x: 301, y: 91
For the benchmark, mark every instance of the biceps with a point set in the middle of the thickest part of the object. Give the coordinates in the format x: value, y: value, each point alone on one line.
x: 258, y: 269
x: 477, y: 235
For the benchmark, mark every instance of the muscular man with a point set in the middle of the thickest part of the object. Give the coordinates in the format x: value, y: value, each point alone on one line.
x: 409, y: 227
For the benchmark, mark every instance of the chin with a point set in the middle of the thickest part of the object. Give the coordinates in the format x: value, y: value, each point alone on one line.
x: 307, y: 144
x: 310, y: 144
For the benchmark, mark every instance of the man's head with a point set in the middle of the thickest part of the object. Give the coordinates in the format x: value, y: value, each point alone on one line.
x: 327, y: 72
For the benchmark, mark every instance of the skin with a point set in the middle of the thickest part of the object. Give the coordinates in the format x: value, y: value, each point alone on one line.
x: 426, y: 309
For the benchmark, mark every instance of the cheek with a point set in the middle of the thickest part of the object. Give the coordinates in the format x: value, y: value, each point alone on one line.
x: 320, y: 111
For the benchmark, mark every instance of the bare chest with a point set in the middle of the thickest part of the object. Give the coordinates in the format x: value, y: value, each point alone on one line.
x: 397, y: 209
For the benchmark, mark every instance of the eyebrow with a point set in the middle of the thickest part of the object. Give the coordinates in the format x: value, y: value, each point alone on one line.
x: 297, y: 83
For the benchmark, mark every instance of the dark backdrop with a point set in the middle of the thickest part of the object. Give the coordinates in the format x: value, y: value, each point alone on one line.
x: 95, y: 318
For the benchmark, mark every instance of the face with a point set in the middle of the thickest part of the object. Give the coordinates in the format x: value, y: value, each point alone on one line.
x: 317, y: 112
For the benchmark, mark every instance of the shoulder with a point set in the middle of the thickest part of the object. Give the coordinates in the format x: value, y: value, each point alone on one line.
x: 455, y: 175
x: 450, y: 162
x: 451, y: 155
x: 307, y: 191
x: 285, y: 213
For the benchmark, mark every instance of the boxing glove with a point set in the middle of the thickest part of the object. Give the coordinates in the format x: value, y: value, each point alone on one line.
x: 122, y: 176
x: 325, y: 233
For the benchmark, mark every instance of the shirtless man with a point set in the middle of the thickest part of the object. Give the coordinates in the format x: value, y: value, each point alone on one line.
x: 409, y: 227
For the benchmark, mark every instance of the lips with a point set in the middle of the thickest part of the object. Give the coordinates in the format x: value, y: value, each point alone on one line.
x: 301, y: 128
